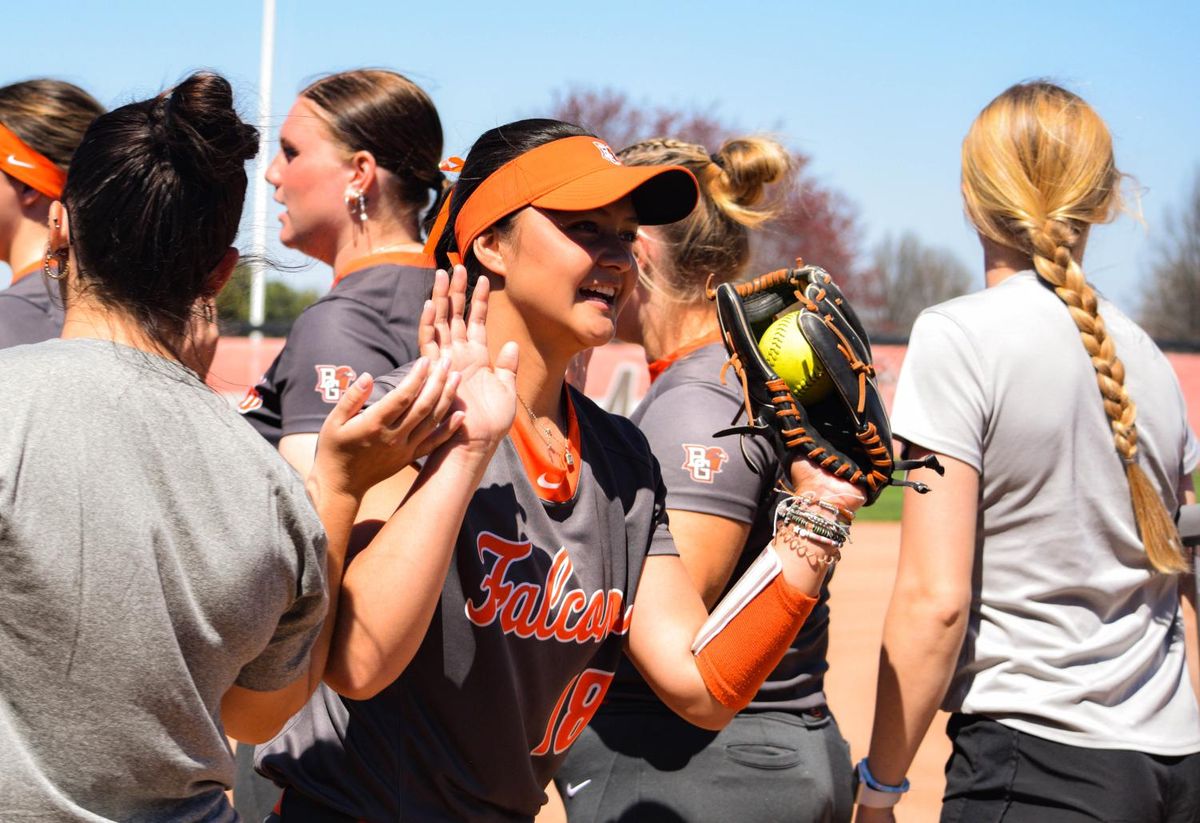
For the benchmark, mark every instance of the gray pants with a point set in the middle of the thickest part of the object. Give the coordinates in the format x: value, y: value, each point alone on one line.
x: 634, y: 765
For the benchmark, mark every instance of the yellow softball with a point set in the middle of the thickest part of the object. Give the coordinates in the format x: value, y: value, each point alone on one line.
x: 786, y: 350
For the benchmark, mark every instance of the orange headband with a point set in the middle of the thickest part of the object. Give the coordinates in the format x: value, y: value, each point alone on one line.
x: 31, y: 168
x: 570, y: 174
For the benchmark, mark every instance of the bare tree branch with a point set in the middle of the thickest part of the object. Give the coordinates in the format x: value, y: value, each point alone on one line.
x: 1170, y: 307
x: 817, y: 223
x: 909, y: 277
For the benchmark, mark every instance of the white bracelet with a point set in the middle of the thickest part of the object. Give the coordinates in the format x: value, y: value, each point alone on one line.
x: 874, y: 799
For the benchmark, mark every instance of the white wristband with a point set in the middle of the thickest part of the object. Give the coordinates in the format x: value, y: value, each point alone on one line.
x: 874, y: 799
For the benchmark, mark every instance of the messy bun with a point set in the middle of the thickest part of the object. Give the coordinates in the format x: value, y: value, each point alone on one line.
x: 154, y: 197
x: 744, y: 167
x: 714, y: 239
x: 196, y: 124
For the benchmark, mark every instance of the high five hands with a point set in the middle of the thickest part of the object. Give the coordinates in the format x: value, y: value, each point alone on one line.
x: 452, y: 397
x: 487, y: 395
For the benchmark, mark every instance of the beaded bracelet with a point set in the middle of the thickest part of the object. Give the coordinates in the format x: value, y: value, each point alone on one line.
x: 800, y: 526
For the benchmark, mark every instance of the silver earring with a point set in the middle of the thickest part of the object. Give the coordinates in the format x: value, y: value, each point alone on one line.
x: 356, y: 201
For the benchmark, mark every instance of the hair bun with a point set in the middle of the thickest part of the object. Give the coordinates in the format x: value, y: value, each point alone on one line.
x: 743, y: 168
x: 203, y: 131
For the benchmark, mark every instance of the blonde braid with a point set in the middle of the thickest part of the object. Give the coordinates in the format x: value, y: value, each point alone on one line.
x: 1052, y: 243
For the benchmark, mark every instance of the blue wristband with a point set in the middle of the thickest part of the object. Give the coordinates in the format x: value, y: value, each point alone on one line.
x: 868, y: 779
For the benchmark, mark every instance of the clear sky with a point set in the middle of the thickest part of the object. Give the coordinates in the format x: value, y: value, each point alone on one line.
x: 879, y: 94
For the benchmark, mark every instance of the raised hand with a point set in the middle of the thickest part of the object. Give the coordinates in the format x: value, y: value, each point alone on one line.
x: 487, y: 396
x: 357, y: 450
x: 444, y: 329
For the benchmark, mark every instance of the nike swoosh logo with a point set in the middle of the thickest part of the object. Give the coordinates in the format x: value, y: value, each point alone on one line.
x: 574, y: 790
x: 13, y: 161
x: 546, y: 484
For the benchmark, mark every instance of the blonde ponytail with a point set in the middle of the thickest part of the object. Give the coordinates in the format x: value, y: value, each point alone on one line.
x: 1037, y: 171
x: 735, y: 197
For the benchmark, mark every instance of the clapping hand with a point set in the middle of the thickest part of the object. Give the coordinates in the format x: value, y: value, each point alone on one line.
x: 358, y: 449
x: 487, y: 396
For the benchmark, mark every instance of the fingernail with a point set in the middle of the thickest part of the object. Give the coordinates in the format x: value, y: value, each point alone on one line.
x: 362, y: 380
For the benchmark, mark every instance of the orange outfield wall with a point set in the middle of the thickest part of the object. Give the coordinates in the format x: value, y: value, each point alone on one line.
x: 617, y: 376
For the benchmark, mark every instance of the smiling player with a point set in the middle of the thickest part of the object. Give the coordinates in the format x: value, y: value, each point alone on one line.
x: 466, y: 674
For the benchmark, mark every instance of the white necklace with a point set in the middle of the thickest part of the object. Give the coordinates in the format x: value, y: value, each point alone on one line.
x: 548, y: 435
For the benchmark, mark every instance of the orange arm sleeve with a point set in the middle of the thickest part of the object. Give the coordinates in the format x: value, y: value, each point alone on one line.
x: 735, y: 663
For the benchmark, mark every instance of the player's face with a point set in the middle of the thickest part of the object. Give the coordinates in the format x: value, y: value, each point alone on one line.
x: 310, y: 175
x: 572, y: 271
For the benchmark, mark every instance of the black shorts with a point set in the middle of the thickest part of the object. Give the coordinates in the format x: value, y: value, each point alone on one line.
x: 996, y: 773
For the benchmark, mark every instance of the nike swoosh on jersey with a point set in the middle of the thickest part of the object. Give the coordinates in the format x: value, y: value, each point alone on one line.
x: 546, y: 484
x: 574, y: 790
x: 13, y: 161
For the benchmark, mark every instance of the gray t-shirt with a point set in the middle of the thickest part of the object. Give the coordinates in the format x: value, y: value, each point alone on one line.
x: 366, y: 323
x: 28, y: 312
x: 531, y: 623
x: 1071, y: 636
x: 710, y: 475
x: 138, y: 516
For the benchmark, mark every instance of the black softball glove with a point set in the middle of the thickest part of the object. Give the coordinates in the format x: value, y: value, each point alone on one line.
x: 845, y: 431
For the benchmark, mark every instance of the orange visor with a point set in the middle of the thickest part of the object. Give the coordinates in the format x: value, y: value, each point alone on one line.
x: 31, y: 168
x: 575, y: 174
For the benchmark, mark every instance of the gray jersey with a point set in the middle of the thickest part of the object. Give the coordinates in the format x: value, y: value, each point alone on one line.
x: 366, y: 323
x: 678, y: 415
x: 526, y: 637
x: 1071, y: 636
x: 138, y: 516
x: 29, y: 312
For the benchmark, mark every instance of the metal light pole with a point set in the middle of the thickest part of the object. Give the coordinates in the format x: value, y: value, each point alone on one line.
x: 257, y: 270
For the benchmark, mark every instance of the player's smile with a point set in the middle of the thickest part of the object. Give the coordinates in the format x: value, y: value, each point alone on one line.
x: 603, y: 293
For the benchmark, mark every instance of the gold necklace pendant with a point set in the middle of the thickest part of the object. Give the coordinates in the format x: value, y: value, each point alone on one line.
x: 548, y: 435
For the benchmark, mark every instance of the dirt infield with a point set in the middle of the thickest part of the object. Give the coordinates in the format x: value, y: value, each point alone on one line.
x: 858, y: 599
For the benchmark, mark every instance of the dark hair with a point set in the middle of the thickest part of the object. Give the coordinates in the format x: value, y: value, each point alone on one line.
x: 154, y: 198
x: 50, y: 116
x: 493, y: 149
x: 393, y: 118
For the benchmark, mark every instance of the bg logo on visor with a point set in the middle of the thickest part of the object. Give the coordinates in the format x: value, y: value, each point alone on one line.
x: 606, y: 152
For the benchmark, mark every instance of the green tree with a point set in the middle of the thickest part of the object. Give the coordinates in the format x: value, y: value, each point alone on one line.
x: 283, y: 303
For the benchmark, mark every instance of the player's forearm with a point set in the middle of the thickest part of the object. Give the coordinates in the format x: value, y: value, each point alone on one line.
x: 336, y: 509
x: 674, y: 674
x: 922, y: 638
x: 390, y: 591
x: 704, y: 668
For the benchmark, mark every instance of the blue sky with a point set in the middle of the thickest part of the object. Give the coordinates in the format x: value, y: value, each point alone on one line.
x: 879, y: 94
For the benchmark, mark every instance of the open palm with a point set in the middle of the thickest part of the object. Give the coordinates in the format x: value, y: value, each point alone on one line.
x: 487, y: 396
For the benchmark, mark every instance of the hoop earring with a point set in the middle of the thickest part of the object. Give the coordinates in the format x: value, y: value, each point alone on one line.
x: 358, y: 208
x: 62, y: 261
